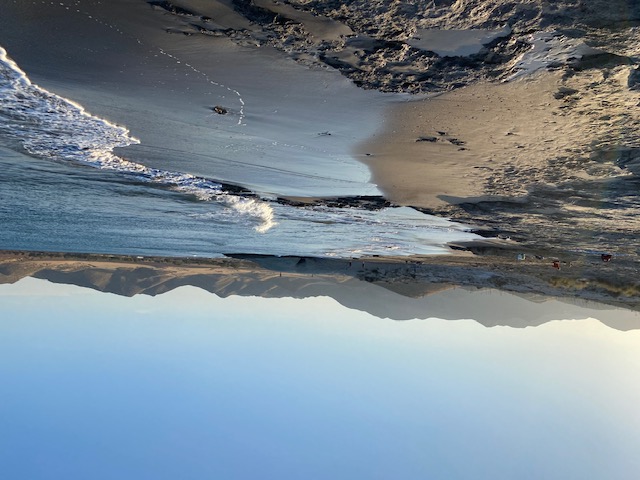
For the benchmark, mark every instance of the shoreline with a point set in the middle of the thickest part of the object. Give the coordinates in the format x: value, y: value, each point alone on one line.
x: 533, y: 160
x: 276, y: 137
x: 584, y: 277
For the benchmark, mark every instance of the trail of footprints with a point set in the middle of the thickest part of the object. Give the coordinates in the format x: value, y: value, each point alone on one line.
x: 201, y: 187
x: 77, y: 7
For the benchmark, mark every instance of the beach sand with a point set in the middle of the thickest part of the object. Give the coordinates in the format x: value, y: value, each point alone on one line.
x: 450, y: 148
x: 498, y: 140
x: 548, y: 159
x: 289, y: 128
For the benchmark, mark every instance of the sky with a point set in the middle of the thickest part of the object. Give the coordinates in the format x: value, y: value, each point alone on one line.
x: 189, y: 385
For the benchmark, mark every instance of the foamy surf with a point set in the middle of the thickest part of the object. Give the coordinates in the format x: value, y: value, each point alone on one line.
x: 49, y: 126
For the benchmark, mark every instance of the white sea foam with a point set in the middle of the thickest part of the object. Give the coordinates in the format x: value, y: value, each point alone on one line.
x: 50, y: 126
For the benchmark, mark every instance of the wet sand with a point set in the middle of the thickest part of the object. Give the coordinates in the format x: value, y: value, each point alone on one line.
x: 289, y: 128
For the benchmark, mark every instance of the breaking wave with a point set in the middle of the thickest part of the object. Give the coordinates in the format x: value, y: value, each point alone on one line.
x: 50, y: 126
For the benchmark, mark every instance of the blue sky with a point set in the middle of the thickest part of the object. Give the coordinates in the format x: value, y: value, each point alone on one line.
x: 188, y: 385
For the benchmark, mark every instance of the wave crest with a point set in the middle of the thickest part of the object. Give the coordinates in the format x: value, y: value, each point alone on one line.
x: 47, y: 125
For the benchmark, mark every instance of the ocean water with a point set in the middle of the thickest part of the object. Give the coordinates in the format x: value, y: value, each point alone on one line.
x: 64, y: 188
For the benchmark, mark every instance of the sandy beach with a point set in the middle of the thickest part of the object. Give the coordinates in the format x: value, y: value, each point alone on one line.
x: 536, y: 158
x: 315, y: 239
x: 520, y: 123
x: 288, y: 132
x: 482, y: 142
x: 136, y: 70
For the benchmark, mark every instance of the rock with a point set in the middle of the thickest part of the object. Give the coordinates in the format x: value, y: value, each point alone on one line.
x: 564, y: 92
x: 633, y: 81
x: 171, y: 8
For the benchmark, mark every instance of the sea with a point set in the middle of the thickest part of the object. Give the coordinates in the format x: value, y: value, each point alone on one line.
x: 64, y: 189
